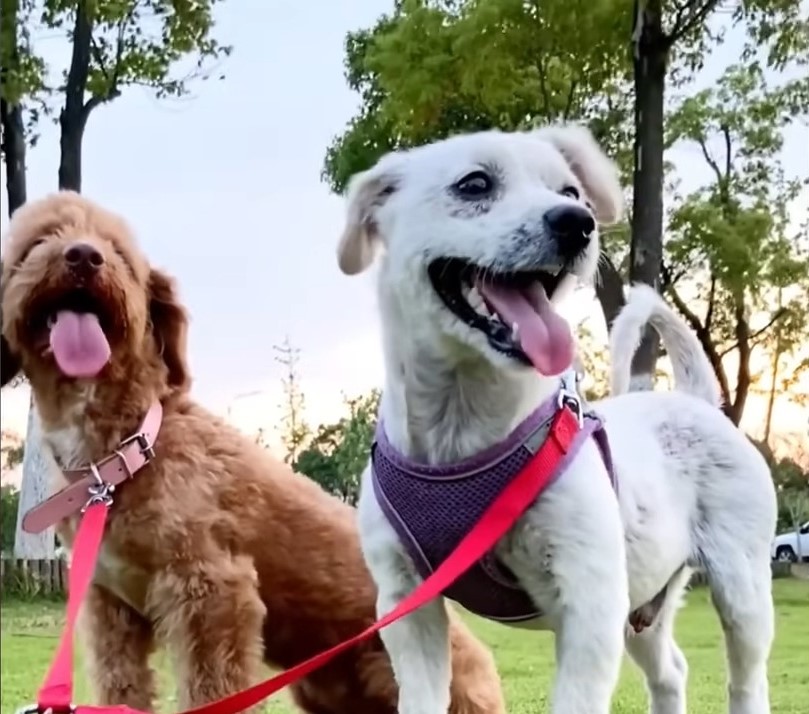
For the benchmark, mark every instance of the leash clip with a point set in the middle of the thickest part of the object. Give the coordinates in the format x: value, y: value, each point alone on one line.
x: 569, y: 396
x: 100, y: 491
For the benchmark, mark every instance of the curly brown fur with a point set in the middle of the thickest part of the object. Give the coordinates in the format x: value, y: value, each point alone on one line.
x: 215, y: 549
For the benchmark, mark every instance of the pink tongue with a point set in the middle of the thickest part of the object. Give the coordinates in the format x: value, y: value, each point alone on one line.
x: 79, y: 344
x: 544, y: 336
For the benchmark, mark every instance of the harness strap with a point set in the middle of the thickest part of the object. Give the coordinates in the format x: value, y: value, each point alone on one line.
x: 57, y: 690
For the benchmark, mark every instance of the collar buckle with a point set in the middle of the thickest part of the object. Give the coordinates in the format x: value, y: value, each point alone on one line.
x: 146, y: 447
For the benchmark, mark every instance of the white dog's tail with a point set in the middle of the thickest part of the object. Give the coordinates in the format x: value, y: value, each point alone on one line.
x: 692, y: 370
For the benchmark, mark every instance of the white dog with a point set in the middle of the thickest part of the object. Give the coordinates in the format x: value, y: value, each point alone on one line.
x: 481, y: 236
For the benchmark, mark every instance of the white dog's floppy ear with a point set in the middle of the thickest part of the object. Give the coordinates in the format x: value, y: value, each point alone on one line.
x: 367, y: 191
x: 597, y: 173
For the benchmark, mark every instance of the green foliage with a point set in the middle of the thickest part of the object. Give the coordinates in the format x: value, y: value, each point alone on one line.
x: 338, y: 453
x: 159, y: 44
x: 432, y: 69
x: 435, y: 68
x: 9, y: 501
x: 593, y: 360
x: 777, y: 29
x: 12, y: 454
x: 23, y: 71
x: 791, y: 477
x: 730, y: 241
x: 142, y: 42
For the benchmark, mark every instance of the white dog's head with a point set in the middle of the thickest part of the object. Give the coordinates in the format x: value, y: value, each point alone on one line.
x: 482, y: 234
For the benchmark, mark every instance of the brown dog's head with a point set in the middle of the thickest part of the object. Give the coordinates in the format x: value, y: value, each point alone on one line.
x: 80, y: 302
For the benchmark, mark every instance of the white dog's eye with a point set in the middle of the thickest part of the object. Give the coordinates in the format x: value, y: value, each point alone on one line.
x: 571, y: 192
x: 474, y: 186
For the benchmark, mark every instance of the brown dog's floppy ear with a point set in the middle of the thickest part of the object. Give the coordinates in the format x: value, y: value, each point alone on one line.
x: 597, y: 173
x: 367, y: 191
x: 170, y: 327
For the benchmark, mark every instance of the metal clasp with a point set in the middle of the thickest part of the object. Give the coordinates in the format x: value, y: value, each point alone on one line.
x: 100, y: 491
x: 569, y: 396
x: 28, y: 709
x: 36, y: 709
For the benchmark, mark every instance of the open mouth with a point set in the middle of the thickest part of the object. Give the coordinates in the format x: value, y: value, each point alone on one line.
x: 76, y: 325
x: 512, y: 309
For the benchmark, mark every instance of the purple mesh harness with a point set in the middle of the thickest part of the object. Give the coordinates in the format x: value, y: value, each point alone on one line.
x: 432, y: 508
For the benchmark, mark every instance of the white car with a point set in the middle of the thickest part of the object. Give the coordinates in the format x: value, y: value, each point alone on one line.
x: 786, y: 546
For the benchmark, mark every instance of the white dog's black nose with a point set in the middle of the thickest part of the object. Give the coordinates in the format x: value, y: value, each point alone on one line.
x: 571, y: 226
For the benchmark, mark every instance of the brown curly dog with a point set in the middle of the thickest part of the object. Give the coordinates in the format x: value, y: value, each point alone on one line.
x: 214, y: 549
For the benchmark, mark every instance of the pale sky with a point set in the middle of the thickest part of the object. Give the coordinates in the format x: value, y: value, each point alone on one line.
x: 223, y: 190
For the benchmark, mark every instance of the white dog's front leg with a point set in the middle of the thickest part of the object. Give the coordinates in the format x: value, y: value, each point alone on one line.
x: 418, y: 645
x: 568, y: 552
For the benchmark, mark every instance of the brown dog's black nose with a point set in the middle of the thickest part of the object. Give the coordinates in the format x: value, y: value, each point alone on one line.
x: 83, y: 258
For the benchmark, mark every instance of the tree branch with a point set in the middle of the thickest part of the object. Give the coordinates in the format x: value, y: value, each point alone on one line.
x: 113, y: 90
x: 638, y: 9
x: 609, y: 287
x: 710, y: 160
x: 543, y: 89
x: 688, y: 17
x: 728, y: 160
x: 569, y: 103
x: 702, y: 333
x: 99, y: 58
x: 711, y: 304
x: 752, y: 337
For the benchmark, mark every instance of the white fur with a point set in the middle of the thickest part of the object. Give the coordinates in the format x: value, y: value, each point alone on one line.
x: 693, y: 490
x: 692, y: 371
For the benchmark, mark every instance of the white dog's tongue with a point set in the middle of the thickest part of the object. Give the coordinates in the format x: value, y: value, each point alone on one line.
x: 543, y: 334
x: 79, y: 345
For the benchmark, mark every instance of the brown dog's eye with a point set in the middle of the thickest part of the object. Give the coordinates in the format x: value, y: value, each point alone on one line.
x: 28, y: 250
x: 571, y: 192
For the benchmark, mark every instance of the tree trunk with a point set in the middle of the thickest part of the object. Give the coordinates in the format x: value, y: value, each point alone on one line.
x: 34, y: 486
x: 74, y: 114
x: 743, y: 378
x: 649, y: 59
x: 70, y: 155
x: 13, y: 147
x: 609, y: 290
x: 776, y: 358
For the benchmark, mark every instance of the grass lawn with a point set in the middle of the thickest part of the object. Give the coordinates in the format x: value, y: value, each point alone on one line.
x: 29, y: 632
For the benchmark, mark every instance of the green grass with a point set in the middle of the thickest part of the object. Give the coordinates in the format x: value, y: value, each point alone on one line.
x: 525, y: 659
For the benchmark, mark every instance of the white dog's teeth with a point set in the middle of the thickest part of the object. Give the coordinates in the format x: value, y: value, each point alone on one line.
x: 515, y: 330
x: 475, y: 300
x: 51, y: 321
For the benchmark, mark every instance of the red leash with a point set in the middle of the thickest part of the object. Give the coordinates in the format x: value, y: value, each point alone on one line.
x: 56, y: 693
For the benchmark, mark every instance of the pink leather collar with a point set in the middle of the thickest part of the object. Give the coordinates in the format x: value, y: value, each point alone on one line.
x: 95, y: 482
